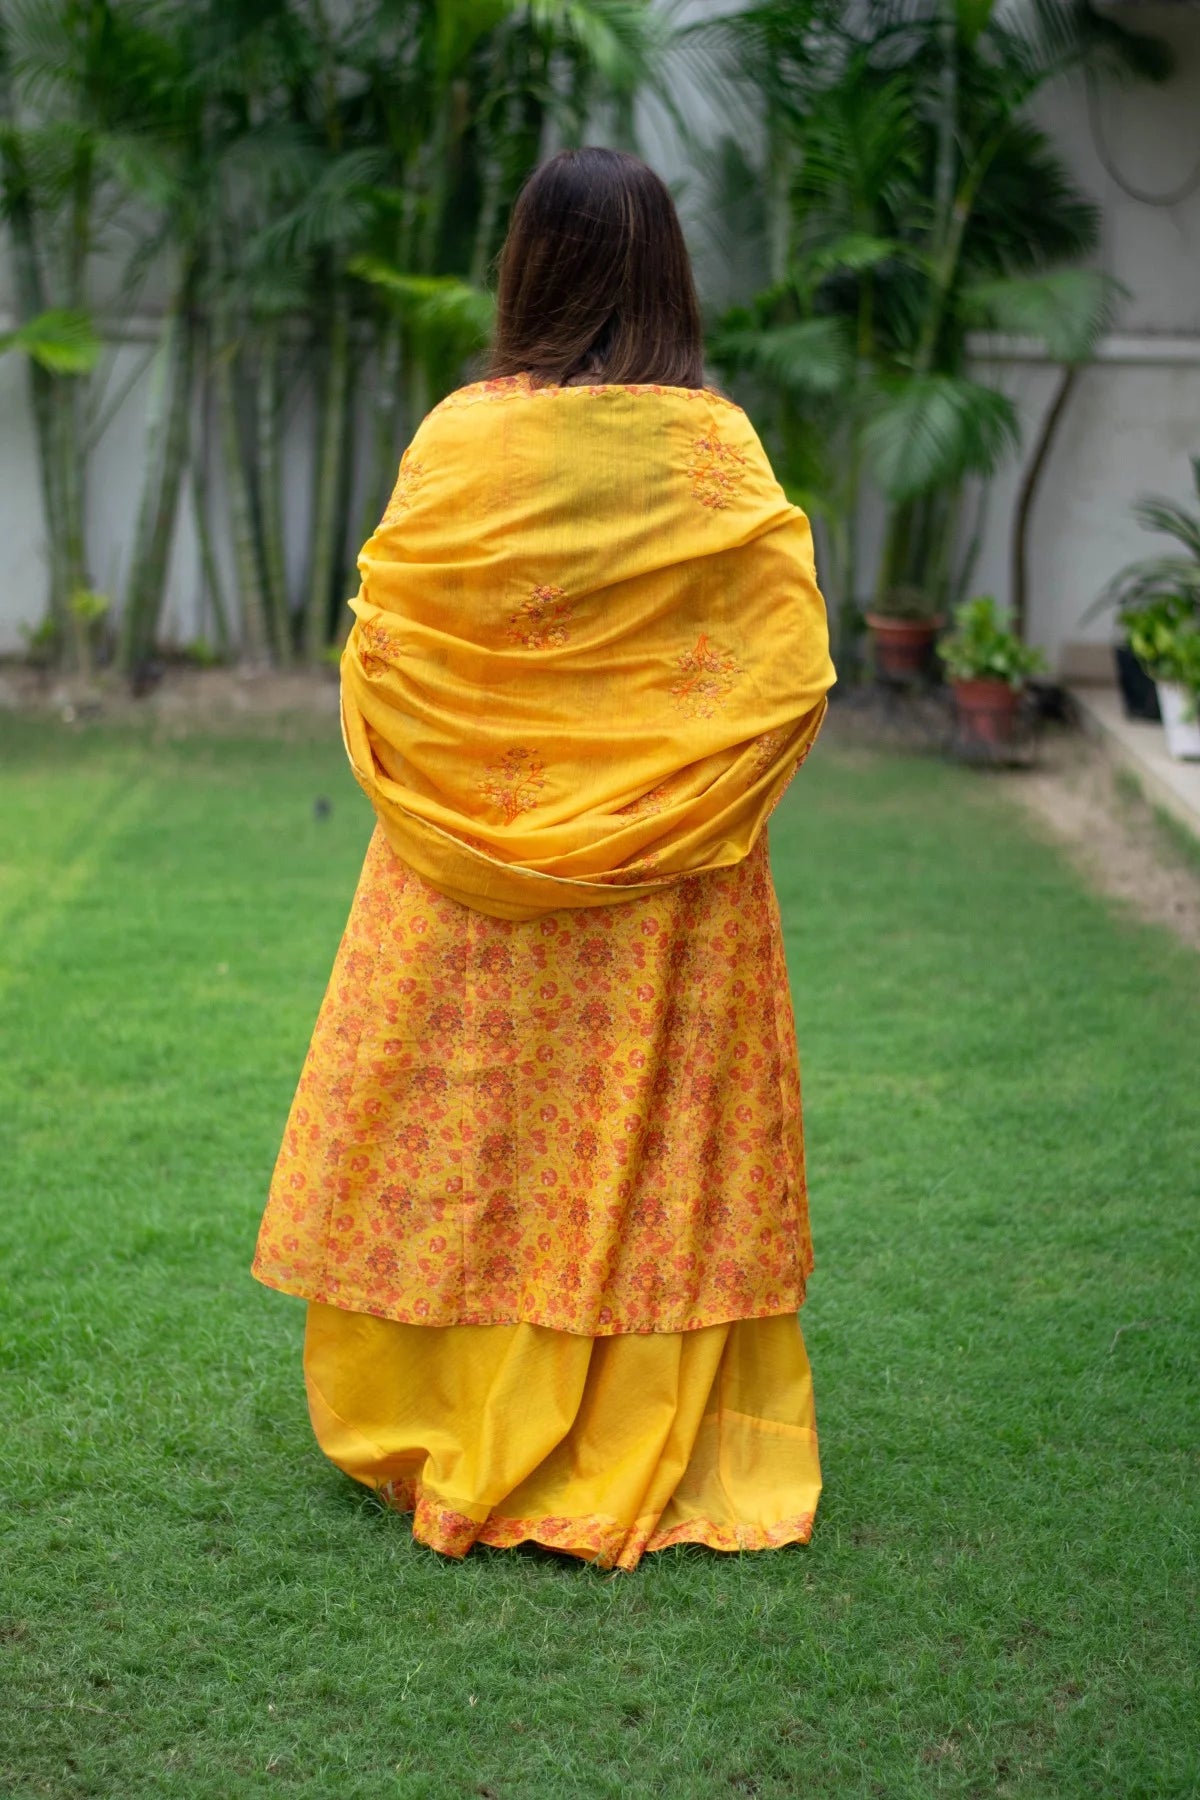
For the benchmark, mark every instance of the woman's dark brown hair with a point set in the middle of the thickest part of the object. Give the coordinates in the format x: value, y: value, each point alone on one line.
x: 595, y: 278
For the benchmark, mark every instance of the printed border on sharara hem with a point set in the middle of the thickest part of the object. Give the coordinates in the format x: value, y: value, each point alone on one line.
x: 596, y: 1537
x: 511, y: 387
x: 785, y: 1301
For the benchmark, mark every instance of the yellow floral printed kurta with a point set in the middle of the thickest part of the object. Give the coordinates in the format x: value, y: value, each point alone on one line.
x: 589, y: 1121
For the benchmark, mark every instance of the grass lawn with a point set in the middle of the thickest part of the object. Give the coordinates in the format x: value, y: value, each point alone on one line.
x: 1001, y: 1086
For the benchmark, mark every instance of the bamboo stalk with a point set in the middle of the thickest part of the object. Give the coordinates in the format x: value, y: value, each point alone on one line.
x: 330, y: 439
x: 254, y: 631
x: 270, y: 488
x: 175, y: 456
x: 31, y: 298
x: 202, y: 515
x: 386, y: 420
x: 166, y: 441
x: 1028, y: 492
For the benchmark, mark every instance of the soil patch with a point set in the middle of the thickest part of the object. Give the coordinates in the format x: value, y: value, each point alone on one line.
x: 182, y: 699
x: 1113, y: 835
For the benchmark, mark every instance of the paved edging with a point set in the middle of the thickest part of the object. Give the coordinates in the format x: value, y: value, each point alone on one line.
x: 1138, y: 745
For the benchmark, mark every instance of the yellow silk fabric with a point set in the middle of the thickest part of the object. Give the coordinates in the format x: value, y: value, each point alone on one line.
x: 604, y: 1448
x: 589, y: 647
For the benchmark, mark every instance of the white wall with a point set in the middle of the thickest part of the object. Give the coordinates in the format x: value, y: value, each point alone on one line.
x: 22, y: 530
x: 1135, y: 415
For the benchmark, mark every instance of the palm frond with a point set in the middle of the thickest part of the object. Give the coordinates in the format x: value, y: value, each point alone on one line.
x: 812, y: 356
x: 441, y: 305
x: 458, y: 27
x: 974, y: 17
x: 931, y: 431
x: 1170, y: 578
x: 331, y: 212
x: 141, y: 165
x: 61, y: 340
x: 621, y: 39
x: 1175, y: 521
x: 1049, y: 38
x: 1029, y: 214
x: 857, y: 253
x: 1066, y: 312
x: 861, y: 148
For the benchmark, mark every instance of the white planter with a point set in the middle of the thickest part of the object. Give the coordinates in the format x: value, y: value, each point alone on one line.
x: 1179, y: 720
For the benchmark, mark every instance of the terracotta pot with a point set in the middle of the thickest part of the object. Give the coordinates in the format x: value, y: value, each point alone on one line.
x: 986, y: 709
x: 902, y: 646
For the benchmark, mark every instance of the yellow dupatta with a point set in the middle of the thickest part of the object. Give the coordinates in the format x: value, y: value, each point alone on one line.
x: 589, y: 649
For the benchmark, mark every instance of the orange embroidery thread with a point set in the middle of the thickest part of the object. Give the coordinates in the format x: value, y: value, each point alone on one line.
x: 640, y: 869
x: 513, y: 783
x: 787, y: 784
x: 646, y: 805
x: 765, y: 751
x: 407, y: 483
x: 707, y: 680
x: 605, y: 1541
x: 508, y: 387
x: 374, y: 646
x: 717, y: 471
x: 540, y: 623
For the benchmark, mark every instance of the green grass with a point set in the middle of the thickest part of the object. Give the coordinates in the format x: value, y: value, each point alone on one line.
x: 1001, y: 1084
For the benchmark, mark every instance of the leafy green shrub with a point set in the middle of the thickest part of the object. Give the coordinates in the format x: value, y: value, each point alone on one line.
x: 1158, y: 598
x: 1165, y: 637
x: 981, y: 647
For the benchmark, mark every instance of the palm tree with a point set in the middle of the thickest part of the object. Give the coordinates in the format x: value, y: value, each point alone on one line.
x: 322, y: 186
x: 924, y: 203
x: 429, y: 132
x: 66, y: 75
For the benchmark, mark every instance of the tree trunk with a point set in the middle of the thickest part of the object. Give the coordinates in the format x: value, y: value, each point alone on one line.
x: 327, y: 484
x: 255, y: 639
x: 30, y: 295
x: 70, y: 390
x: 386, y: 423
x: 937, y: 550
x: 1027, y: 495
x: 166, y: 454
x: 490, y: 163
x: 947, y: 227
x: 270, y: 487
x: 68, y: 433
x: 779, y: 200
x: 202, y: 513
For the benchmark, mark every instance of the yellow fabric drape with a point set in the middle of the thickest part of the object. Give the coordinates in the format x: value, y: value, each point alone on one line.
x: 498, y: 1434
x: 589, y: 648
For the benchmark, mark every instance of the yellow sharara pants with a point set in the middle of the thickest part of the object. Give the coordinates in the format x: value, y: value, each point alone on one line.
x: 602, y: 1447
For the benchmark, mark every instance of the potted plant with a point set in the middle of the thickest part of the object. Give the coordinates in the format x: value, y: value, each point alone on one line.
x: 1158, y: 602
x: 988, y: 665
x: 903, y: 626
x: 1139, y: 694
x: 1164, y: 635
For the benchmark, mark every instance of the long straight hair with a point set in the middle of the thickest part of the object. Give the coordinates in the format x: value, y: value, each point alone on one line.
x: 595, y: 278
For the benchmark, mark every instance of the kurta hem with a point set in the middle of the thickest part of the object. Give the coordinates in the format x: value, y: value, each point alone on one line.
x: 667, y: 1326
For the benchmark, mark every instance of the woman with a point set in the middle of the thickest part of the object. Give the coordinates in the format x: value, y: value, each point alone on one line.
x: 542, y: 1184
